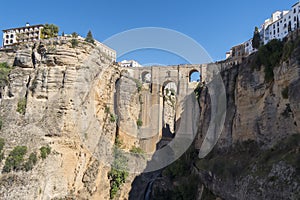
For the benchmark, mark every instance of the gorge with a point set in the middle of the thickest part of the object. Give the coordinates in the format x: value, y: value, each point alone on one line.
x: 79, y: 104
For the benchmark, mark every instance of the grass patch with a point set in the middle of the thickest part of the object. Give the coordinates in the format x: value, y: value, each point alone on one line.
x: 45, y: 151
x: 2, y: 143
x: 21, y: 107
x: 118, y: 173
x: 136, y: 150
x: 4, y: 72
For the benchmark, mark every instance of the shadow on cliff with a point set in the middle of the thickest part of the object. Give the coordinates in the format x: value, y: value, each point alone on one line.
x: 167, y: 148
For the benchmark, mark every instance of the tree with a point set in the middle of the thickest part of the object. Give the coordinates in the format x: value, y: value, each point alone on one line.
x: 49, y: 31
x: 256, y: 39
x: 89, y: 38
x: 74, y: 43
x: 74, y: 35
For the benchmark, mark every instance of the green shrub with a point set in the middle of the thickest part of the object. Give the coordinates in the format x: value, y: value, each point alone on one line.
x: 21, y: 108
x: 136, y: 150
x: 49, y: 31
x: 118, y: 142
x: 32, y: 160
x: 107, y: 110
x: 118, y: 173
x: 45, y: 151
x: 89, y: 38
x: 285, y: 93
x: 2, y: 143
x: 15, y: 159
x: 113, y: 118
x: 181, y: 167
x: 75, y: 35
x: 1, y: 156
x: 139, y: 85
x: 187, y: 189
x: 139, y: 123
x: 288, y: 50
x: 4, y: 72
x: 269, y: 56
x: 74, y: 43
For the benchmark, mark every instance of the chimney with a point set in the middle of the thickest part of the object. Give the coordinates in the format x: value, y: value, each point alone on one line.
x: 27, y: 24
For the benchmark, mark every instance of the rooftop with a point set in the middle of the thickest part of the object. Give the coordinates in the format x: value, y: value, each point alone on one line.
x: 32, y: 26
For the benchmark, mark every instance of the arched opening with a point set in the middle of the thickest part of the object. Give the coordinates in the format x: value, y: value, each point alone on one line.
x: 194, y: 76
x: 146, y: 77
x: 169, y: 92
x: 169, y: 88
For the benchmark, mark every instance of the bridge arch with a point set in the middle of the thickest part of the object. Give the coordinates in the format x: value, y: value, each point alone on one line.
x: 194, y: 76
x: 146, y: 77
x: 169, y: 87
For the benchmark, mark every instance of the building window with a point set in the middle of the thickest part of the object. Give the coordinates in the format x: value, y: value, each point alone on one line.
x: 277, y: 30
x: 7, y: 36
x: 284, y: 26
x: 6, y: 41
x: 277, y: 23
x: 273, y: 25
x: 11, y: 41
x: 294, y: 10
x: 295, y: 19
x: 11, y: 36
x: 274, y: 32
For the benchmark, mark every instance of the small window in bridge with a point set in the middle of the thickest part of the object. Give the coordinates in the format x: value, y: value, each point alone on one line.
x: 194, y: 76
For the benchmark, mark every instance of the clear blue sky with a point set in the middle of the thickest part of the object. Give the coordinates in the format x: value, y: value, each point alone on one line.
x: 216, y: 25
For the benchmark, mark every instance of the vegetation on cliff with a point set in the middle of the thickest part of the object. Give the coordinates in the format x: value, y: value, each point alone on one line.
x: 89, y: 38
x: 119, y: 171
x: 21, y: 107
x: 16, y: 159
x: 272, y: 54
x: 49, y: 31
x: 4, y: 72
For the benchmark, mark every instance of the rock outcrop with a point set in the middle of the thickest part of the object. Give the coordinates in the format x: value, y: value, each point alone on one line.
x: 65, y: 91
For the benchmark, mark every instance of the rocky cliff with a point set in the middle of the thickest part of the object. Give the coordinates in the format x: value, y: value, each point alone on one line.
x: 60, y: 106
x: 257, y: 154
x: 56, y: 96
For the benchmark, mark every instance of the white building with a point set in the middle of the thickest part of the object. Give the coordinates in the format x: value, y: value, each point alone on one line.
x: 21, y: 34
x: 276, y: 27
x: 281, y: 23
x: 248, y: 47
x: 111, y: 53
x: 130, y: 63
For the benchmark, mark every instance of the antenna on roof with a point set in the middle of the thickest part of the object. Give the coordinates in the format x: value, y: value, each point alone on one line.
x: 27, y: 24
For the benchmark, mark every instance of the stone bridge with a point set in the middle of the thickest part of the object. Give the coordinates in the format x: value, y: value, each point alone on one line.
x: 160, y: 101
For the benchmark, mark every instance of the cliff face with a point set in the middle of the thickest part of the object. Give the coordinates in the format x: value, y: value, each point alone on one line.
x: 257, y: 154
x: 61, y: 94
x: 70, y: 100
